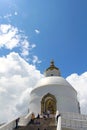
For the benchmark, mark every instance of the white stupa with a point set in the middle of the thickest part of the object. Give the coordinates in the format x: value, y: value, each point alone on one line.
x: 53, y: 93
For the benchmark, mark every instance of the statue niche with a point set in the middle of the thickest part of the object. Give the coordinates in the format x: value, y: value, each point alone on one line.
x: 48, y: 103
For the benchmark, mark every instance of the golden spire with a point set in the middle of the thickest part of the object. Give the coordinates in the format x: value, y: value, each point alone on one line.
x: 52, y: 66
x: 52, y: 70
x: 52, y: 63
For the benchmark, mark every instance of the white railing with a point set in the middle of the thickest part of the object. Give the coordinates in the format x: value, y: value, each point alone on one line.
x: 68, y: 123
x: 73, y: 120
x: 68, y: 115
x: 24, y: 120
x: 8, y: 126
x: 59, y: 123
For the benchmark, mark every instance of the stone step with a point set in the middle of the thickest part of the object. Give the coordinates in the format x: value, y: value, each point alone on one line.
x: 36, y: 128
x: 48, y: 123
x: 41, y: 121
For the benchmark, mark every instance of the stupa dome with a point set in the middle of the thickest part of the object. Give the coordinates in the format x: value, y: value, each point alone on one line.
x: 53, y: 93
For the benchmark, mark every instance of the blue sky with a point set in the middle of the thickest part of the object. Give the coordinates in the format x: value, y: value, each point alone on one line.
x: 62, y: 28
x: 32, y: 32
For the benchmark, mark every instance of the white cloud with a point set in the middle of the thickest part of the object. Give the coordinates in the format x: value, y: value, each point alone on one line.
x: 79, y: 82
x: 37, y: 31
x: 36, y: 60
x: 25, y: 48
x: 11, y: 37
x: 15, y: 13
x: 17, y: 78
x: 33, y: 45
x: 8, y: 16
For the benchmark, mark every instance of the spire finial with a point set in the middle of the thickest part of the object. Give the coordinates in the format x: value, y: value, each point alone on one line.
x: 52, y: 70
x: 52, y: 63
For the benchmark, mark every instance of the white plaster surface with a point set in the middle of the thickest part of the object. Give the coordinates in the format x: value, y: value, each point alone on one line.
x: 64, y: 93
